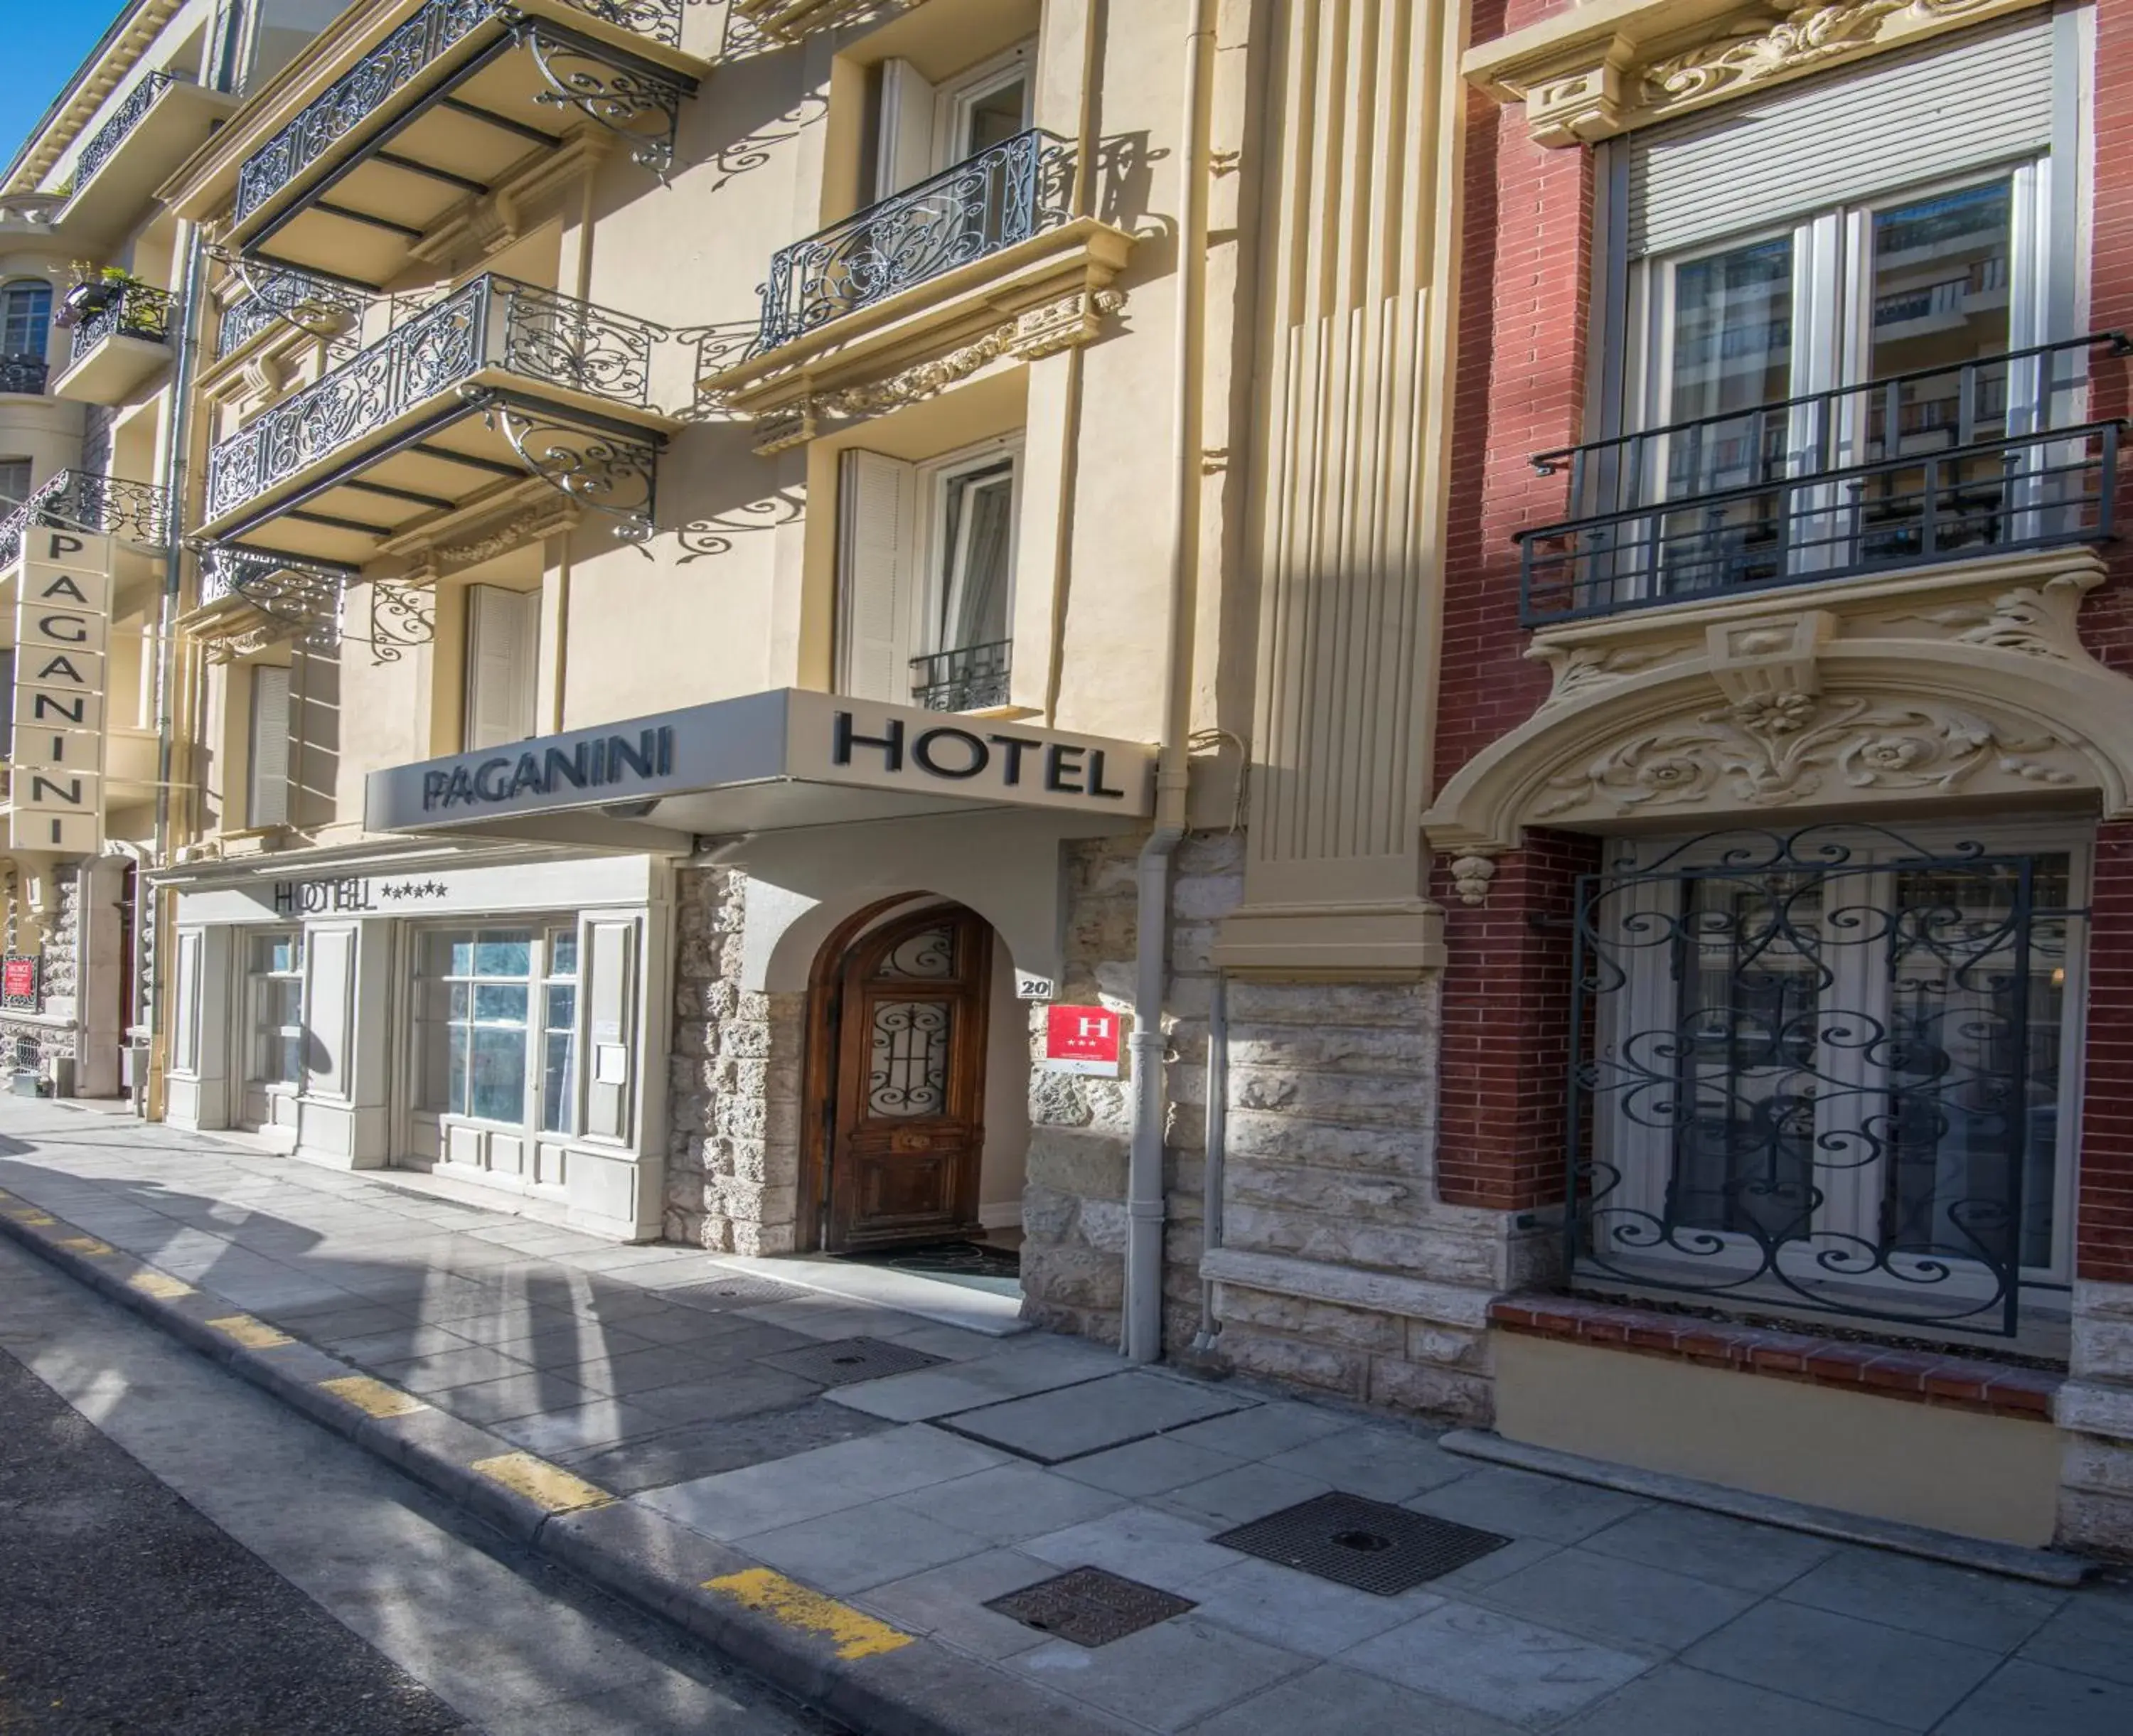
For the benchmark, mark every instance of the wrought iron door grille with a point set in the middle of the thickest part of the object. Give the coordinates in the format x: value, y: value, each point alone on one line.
x: 969, y: 679
x: 1995, y: 456
x: 1820, y: 1069
x: 1005, y: 195
x: 132, y: 310
x: 112, y: 134
x: 84, y: 501
x: 490, y: 322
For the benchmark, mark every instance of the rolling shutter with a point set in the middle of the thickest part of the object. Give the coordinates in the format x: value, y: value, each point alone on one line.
x: 270, y: 747
x: 1890, y: 122
x: 876, y: 523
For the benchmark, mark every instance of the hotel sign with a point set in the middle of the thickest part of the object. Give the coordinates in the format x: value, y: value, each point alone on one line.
x: 62, y: 637
x: 785, y: 736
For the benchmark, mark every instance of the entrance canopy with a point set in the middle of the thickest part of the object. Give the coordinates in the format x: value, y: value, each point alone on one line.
x: 766, y: 761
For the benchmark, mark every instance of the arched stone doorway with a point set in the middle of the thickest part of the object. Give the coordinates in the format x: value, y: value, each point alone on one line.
x: 899, y: 1025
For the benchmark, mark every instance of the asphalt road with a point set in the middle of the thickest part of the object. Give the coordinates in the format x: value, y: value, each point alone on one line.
x: 180, y: 1557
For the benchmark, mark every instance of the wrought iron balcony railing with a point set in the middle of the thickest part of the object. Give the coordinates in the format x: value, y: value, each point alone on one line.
x: 971, y: 678
x: 132, y: 310
x: 398, y: 62
x: 84, y: 500
x: 112, y: 134
x: 23, y: 373
x: 1996, y: 454
x: 283, y: 297
x: 490, y: 322
x: 1019, y: 188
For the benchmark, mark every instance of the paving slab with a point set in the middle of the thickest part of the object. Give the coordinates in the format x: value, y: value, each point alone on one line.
x: 1672, y: 1701
x: 2093, y: 1635
x: 1516, y: 1671
x: 1299, y: 1611
x: 863, y: 1546
x: 1956, y: 1603
x: 1145, y: 1468
x: 2027, y: 1697
x: 1617, y: 1603
x: 1010, y: 1502
x: 1712, y: 1546
x: 1159, y: 1549
x: 1384, y: 1465
x: 1166, y: 1677
x: 1331, y: 1698
x: 696, y: 1450
x: 949, y: 1602
x: 1098, y: 1414
x: 1521, y: 1504
x: 1241, y: 1494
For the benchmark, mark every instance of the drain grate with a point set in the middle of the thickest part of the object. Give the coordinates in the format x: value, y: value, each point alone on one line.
x: 1369, y: 1544
x: 737, y: 1291
x: 1089, y: 1607
x: 842, y: 1360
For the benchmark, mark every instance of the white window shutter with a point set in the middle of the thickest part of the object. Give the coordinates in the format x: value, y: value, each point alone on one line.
x: 270, y: 747
x: 905, y: 154
x: 877, y: 524
x: 501, y: 626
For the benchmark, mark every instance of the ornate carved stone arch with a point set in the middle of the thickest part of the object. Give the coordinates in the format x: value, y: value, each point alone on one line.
x: 1967, y: 681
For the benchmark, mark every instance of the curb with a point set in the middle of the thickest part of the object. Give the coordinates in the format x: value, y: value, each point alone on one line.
x: 835, y: 1659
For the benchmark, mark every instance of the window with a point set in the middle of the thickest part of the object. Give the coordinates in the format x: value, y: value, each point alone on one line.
x: 502, y: 654
x: 559, y: 1032
x: 25, y: 322
x: 276, y: 985
x: 1837, y: 337
x: 927, y: 586
x: 926, y: 128
x: 480, y: 1052
x: 268, y: 802
x: 1832, y: 1072
x: 14, y: 484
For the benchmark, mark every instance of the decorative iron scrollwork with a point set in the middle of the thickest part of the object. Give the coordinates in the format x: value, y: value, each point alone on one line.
x: 1005, y: 195
x: 113, y: 133
x: 401, y: 617
x: 298, y: 600
x: 598, y: 469
x: 312, y: 306
x: 83, y: 500
x: 635, y: 105
x: 1820, y: 1069
x: 130, y: 309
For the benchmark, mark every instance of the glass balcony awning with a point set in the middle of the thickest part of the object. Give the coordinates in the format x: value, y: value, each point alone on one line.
x: 456, y: 406
x: 450, y: 97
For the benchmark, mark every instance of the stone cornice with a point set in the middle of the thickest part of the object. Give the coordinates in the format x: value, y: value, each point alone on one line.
x: 1592, y: 71
x: 60, y: 128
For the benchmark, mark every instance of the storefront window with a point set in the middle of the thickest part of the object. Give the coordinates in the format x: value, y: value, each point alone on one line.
x: 483, y: 1055
x: 558, y: 1026
x: 277, y: 1009
x: 476, y: 995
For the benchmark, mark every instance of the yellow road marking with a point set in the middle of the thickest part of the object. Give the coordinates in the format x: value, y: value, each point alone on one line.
x: 374, y: 1398
x: 252, y: 1335
x: 159, y: 1284
x: 85, y: 1244
x: 545, y: 1485
x: 856, y: 1635
x: 32, y: 1217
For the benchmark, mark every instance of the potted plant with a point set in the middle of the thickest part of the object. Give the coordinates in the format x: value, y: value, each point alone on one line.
x: 94, y: 289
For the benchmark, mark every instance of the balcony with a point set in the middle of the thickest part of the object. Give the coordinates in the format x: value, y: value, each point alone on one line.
x: 136, y: 512
x: 24, y: 375
x: 444, y: 99
x: 121, y: 338
x: 284, y: 299
x: 971, y: 678
x: 160, y: 123
x: 490, y: 386
x: 1995, y: 456
x: 985, y: 259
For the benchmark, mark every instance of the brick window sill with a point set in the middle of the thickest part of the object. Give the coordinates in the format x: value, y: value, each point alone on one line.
x: 1921, y: 1376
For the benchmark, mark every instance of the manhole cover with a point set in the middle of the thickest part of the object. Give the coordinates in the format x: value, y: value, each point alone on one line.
x: 841, y: 1360
x: 1370, y: 1545
x: 737, y: 1291
x: 1089, y: 1607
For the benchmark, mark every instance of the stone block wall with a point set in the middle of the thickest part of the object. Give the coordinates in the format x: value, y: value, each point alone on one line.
x: 2095, y: 1414
x: 733, y: 1153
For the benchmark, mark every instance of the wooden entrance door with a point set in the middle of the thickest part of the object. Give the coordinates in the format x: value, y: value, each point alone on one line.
x: 908, y: 1124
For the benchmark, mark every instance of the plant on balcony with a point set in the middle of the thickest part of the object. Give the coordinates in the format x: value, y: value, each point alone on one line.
x: 95, y: 289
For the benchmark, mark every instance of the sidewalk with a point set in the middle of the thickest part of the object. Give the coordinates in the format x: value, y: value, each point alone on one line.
x: 835, y: 1492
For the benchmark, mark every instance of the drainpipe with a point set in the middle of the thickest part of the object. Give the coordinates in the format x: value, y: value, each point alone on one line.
x: 1143, y: 1323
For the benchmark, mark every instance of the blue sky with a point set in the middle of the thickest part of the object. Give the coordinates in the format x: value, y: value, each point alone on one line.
x: 46, y: 40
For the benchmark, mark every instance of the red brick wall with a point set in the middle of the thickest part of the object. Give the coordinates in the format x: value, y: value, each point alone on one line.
x: 1504, y: 1073
x: 1519, y: 390
x: 2104, y: 1219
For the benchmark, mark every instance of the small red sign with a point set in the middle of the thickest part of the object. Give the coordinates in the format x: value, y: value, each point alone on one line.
x: 1082, y: 1040
x: 19, y: 980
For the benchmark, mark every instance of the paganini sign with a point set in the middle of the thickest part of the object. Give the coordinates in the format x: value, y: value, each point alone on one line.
x: 788, y: 738
x: 62, y: 636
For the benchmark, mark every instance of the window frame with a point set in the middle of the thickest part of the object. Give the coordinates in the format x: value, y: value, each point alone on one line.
x: 258, y: 985
x: 428, y: 1094
x: 930, y: 552
x: 26, y: 285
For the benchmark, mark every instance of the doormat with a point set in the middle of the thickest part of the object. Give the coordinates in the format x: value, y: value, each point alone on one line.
x: 974, y: 1265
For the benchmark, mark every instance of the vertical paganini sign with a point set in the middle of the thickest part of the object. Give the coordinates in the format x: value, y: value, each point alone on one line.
x: 62, y: 637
